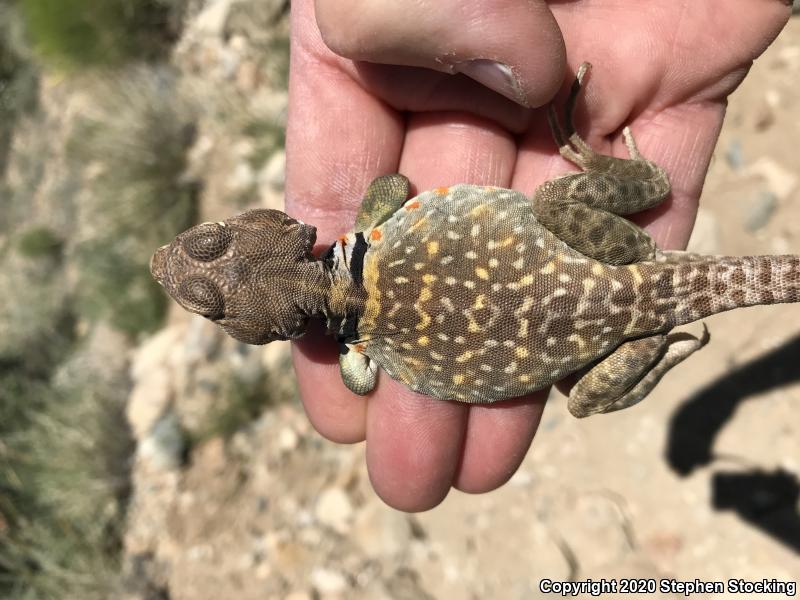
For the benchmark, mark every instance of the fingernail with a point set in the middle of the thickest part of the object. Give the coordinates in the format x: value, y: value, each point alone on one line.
x: 496, y: 76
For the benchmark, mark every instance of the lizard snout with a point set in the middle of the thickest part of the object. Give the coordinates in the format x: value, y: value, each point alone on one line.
x: 158, y: 264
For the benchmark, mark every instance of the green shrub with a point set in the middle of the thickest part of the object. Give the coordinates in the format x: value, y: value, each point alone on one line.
x: 64, y: 463
x: 137, y: 198
x: 76, y: 33
x: 243, y: 399
x: 18, y: 79
x: 40, y: 242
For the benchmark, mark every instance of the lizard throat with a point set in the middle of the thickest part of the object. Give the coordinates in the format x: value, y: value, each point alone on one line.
x: 346, y: 297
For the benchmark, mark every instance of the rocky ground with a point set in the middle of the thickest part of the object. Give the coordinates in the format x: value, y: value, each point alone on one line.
x: 702, y: 481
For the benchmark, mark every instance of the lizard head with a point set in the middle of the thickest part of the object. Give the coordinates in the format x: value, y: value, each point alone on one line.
x: 249, y: 274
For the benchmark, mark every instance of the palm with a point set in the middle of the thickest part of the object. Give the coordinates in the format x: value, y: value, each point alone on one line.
x: 349, y: 123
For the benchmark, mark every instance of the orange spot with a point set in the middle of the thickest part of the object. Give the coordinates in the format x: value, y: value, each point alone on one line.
x: 442, y: 191
x: 343, y: 240
x: 375, y: 234
x: 412, y: 205
x: 360, y: 347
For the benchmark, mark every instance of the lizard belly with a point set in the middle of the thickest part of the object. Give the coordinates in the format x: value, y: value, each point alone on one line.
x: 470, y: 298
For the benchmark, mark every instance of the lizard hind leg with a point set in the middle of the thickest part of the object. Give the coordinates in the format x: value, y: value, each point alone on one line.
x: 582, y: 208
x: 383, y: 197
x: 627, y: 375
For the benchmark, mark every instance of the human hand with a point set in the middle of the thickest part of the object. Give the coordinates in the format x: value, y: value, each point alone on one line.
x: 666, y: 72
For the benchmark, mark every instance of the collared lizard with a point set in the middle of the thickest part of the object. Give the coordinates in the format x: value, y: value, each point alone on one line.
x: 478, y: 293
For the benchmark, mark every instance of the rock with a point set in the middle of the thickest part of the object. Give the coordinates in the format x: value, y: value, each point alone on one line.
x: 763, y: 116
x: 328, y: 581
x: 405, y: 584
x: 334, y: 509
x: 242, y: 178
x: 272, y: 174
x: 149, y: 401
x: 276, y: 356
x: 211, y: 21
x: 212, y: 454
x: 381, y: 531
x: 780, y: 180
x: 153, y: 352
x: 163, y: 448
x: 248, y: 76
x: 287, y: 439
x: 760, y: 212
x: 705, y: 235
x: 733, y: 155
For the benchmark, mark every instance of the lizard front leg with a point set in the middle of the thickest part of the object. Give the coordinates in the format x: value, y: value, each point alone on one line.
x: 383, y: 197
x: 582, y: 208
x: 359, y: 372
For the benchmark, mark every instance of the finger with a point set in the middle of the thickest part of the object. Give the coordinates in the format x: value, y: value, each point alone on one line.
x: 335, y: 412
x: 498, y: 437
x: 413, y: 446
x: 338, y: 138
x: 513, y: 47
x: 419, y: 90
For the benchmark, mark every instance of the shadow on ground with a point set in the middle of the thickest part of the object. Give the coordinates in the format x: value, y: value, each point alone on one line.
x: 767, y: 500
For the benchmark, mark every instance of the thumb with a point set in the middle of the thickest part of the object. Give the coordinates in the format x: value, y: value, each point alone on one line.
x: 513, y: 47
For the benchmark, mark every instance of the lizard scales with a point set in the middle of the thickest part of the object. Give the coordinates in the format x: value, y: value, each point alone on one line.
x: 476, y: 293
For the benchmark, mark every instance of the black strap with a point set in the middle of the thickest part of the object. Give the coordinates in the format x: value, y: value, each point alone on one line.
x: 357, y: 259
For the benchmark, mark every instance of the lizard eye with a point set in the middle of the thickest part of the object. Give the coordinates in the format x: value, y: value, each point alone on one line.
x: 201, y: 296
x: 207, y: 241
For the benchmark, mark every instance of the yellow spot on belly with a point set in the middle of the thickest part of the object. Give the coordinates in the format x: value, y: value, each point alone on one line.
x: 637, y: 276
x: 597, y: 269
x: 477, y: 210
x: 373, y: 304
x: 482, y: 273
x: 458, y: 379
x: 420, y: 223
x: 521, y: 352
x: 480, y: 302
x: 527, y: 280
x: 548, y: 268
x: 433, y: 248
x: 424, y: 318
x: 523, y: 328
x: 461, y: 358
x: 574, y: 337
x: 429, y: 278
x: 424, y: 340
x: 414, y: 362
x: 524, y: 378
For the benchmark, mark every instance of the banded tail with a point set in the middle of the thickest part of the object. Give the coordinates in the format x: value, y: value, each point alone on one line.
x: 705, y: 285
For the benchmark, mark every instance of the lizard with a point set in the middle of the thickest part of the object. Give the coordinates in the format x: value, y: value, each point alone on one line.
x: 478, y: 293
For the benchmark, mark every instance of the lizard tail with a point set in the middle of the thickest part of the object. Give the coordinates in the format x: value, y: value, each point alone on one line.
x: 706, y: 285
